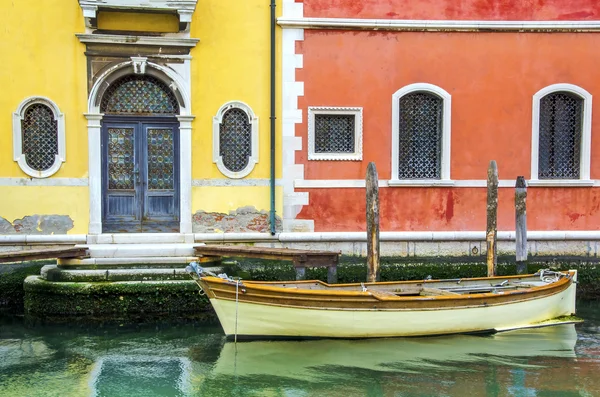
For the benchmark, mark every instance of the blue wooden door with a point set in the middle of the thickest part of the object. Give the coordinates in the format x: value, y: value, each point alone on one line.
x: 140, y: 176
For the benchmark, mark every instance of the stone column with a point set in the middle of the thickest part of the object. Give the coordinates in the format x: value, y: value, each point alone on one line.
x: 95, y: 171
x: 185, y: 173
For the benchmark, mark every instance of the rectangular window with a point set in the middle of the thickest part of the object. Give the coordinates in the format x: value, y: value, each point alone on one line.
x: 334, y: 133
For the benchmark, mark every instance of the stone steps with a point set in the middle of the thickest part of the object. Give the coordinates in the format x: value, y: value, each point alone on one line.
x: 125, y: 258
x: 130, y: 257
x: 133, y: 262
x: 140, y: 238
x: 122, y: 250
x: 57, y: 273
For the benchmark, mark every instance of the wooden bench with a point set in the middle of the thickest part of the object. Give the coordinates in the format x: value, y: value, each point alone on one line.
x: 48, y: 253
x: 299, y: 258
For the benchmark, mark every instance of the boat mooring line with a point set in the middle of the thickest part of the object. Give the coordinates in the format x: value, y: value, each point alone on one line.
x: 237, y: 284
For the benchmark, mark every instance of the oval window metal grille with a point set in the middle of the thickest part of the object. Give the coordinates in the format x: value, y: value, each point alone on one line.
x: 140, y: 95
x: 420, y: 136
x: 235, y: 140
x: 561, y: 123
x: 40, y: 137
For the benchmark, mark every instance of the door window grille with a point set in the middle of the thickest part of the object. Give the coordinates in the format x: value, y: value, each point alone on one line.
x: 140, y: 95
x: 40, y: 137
x: 560, y: 130
x: 121, y: 159
x: 235, y: 139
x: 161, y: 157
x: 420, y: 136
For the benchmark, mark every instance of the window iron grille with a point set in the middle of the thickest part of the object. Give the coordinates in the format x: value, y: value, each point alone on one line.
x: 40, y: 137
x: 420, y: 136
x: 121, y: 158
x: 334, y: 133
x: 135, y: 94
x: 561, y: 119
x: 161, y: 157
x: 235, y: 140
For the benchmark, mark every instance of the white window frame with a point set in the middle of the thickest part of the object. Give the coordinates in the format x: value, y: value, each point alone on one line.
x: 357, y: 112
x: 586, y: 136
x: 446, y: 135
x: 18, y: 154
x: 217, y: 158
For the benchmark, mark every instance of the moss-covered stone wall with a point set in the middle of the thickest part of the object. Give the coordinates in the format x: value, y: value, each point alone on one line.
x: 11, y: 284
x: 149, y: 301
x: 128, y: 301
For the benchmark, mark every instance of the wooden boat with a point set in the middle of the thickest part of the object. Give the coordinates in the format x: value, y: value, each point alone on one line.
x: 314, y: 309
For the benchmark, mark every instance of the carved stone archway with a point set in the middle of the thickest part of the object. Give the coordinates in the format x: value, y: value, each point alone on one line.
x: 181, y: 89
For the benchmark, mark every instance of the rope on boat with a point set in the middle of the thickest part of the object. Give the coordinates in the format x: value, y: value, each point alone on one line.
x: 549, y: 276
x: 237, y: 285
x: 196, y: 271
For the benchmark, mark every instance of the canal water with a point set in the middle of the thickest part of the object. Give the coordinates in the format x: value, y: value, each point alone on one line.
x: 188, y: 360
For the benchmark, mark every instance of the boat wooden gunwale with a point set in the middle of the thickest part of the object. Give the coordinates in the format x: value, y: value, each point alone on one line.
x: 296, y: 308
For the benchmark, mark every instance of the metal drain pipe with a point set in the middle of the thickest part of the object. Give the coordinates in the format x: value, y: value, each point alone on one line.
x: 273, y: 118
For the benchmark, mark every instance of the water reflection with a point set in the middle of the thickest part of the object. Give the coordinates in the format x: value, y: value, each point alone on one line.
x: 318, y: 358
x: 196, y: 361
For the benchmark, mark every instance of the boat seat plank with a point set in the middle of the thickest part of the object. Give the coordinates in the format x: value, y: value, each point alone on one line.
x: 428, y: 291
x: 47, y: 253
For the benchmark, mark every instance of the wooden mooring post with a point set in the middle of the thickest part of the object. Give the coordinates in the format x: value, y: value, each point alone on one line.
x: 372, y: 182
x: 492, y: 218
x: 521, y: 224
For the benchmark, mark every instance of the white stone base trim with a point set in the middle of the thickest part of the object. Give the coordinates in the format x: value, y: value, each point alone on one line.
x: 41, y: 239
x: 403, y: 244
x: 360, y: 183
x: 295, y: 22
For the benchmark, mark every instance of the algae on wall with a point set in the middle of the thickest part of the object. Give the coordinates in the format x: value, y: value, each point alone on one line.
x: 149, y: 301
x: 126, y: 301
x: 11, y: 284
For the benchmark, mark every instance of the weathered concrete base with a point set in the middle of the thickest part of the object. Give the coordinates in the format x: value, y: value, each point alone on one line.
x: 119, y: 301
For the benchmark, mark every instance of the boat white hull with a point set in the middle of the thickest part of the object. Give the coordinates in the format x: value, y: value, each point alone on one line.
x: 264, y: 320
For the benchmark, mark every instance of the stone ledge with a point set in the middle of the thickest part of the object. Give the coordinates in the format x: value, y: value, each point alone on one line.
x: 146, y: 301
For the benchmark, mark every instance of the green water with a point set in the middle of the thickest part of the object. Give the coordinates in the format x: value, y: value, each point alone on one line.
x: 188, y: 360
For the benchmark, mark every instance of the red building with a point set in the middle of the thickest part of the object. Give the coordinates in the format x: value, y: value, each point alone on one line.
x: 431, y: 92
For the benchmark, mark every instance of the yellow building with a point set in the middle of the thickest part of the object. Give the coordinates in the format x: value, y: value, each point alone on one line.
x: 135, y: 116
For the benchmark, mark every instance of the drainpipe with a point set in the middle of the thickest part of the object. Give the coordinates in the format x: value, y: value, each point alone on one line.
x: 272, y: 183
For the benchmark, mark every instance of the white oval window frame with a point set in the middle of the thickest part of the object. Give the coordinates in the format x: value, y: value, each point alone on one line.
x: 217, y: 158
x: 18, y: 154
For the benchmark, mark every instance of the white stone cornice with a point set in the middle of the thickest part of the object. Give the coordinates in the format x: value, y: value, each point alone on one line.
x: 139, y: 40
x: 437, y: 25
x: 184, y: 8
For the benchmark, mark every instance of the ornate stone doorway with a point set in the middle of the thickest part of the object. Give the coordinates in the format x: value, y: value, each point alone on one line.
x: 140, y: 157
